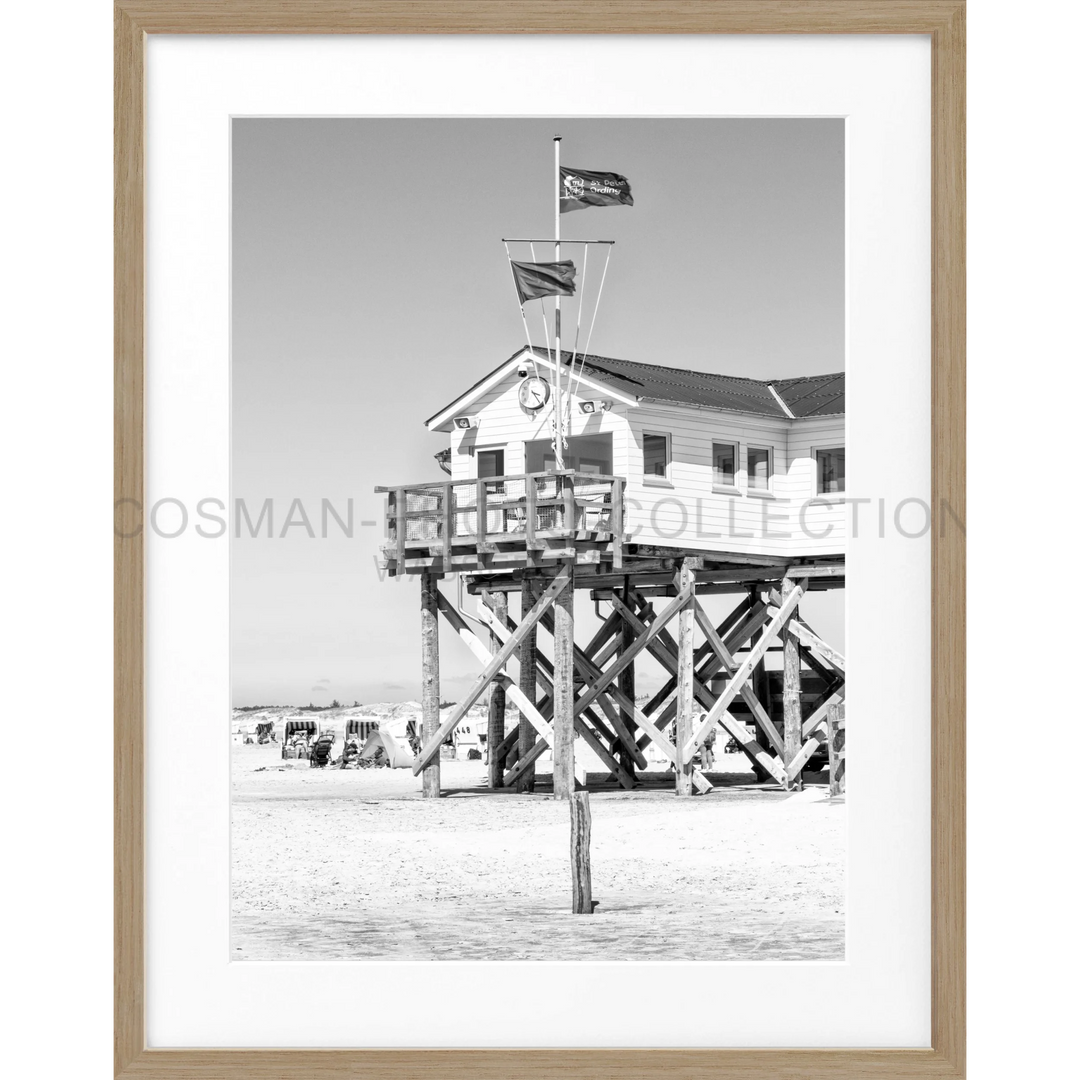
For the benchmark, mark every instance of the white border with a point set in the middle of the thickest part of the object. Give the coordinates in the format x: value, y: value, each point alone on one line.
x: 881, y: 995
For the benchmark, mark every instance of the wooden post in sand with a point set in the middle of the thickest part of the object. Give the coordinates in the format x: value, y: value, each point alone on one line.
x: 684, y: 717
x: 496, y: 699
x: 526, y: 739
x: 562, y: 751
x: 580, y: 866
x: 429, y: 675
x: 793, y: 718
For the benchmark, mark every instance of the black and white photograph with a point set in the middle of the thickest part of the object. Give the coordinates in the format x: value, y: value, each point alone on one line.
x: 538, y: 559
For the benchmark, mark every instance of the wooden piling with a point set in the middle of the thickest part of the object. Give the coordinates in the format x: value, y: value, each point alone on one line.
x: 792, y: 690
x: 627, y: 683
x: 835, y: 726
x: 684, y: 717
x: 563, y: 675
x: 527, y: 682
x: 496, y: 601
x: 580, y: 864
x: 429, y: 676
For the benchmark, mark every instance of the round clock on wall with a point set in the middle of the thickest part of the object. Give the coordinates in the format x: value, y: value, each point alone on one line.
x: 533, y: 393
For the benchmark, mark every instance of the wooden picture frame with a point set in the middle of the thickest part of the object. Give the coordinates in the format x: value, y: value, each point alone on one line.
x: 944, y: 22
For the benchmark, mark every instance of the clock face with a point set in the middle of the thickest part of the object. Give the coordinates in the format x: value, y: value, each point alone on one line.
x: 533, y: 393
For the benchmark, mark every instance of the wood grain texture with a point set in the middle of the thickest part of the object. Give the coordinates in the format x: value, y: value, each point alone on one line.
x: 430, y: 683
x: 128, y: 582
x: 944, y: 20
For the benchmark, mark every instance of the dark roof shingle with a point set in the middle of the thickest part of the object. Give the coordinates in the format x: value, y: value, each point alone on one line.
x: 813, y: 395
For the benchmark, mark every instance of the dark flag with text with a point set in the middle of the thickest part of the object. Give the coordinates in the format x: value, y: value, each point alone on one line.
x: 581, y: 189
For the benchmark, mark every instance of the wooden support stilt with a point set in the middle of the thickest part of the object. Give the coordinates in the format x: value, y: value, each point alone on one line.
x: 527, y: 681
x: 793, y: 719
x: 563, y: 691
x: 595, y: 678
x: 770, y: 631
x: 496, y: 601
x: 627, y: 685
x: 757, y: 710
x: 493, y: 665
x: 793, y: 690
x: 835, y: 723
x: 641, y: 642
x: 726, y: 630
x: 580, y: 866
x: 684, y: 719
x: 666, y: 651
x: 737, y: 636
x: 759, y: 682
x: 429, y: 676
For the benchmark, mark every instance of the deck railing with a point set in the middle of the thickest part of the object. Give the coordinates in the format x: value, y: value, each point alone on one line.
x: 529, y: 508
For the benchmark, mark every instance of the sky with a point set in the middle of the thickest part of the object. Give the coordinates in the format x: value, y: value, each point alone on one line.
x: 370, y: 288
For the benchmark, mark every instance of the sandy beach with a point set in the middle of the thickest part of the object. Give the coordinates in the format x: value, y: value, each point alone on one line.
x: 331, y: 864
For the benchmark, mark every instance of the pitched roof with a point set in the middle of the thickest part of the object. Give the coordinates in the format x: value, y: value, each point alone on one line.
x: 813, y: 395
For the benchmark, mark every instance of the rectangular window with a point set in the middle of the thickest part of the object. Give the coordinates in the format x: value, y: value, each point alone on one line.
x: 725, y: 457
x: 657, y: 454
x: 585, y: 454
x: 830, y: 470
x: 490, y: 463
x: 758, y: 468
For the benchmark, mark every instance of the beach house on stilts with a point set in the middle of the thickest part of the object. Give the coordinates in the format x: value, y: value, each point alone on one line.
x: 649, y: 486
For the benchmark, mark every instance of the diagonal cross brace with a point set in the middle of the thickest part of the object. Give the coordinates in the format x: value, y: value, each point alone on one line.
x: 493, y: 666
x: 720, y: 650
x: 756, y: 653
x: 480, y: 651
x: 818, y: 716
x: 530, y: 712
x: 734, y: 641
x: 665, y: 654
x: 545, y: 674
x: 591, y: 670
x: 642, y: 642
x: 620, y: 699
x: 806, y: 636
x: 735, y: 633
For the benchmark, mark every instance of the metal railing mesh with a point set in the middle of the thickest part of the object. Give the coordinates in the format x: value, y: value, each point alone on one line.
x: 506, y: 507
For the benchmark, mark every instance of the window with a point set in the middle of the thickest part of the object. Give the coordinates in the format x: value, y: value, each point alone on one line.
x: 490, y: 463
x: 758, y: 468
x: 725, y: 464
x: 585, y: 454
x: 657, y: 454
x: 830, y: 470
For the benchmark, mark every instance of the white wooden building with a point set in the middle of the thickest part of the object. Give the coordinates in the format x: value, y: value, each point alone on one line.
x: 673, y: 484
x: 711, y: 462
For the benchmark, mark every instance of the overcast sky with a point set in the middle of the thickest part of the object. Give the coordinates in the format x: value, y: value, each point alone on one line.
x: 370, y: 288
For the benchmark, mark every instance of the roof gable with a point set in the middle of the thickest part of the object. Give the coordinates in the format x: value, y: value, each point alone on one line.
x: 814, y: 395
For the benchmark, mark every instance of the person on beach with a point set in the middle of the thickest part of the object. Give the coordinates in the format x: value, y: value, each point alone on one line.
x: 708, y: 757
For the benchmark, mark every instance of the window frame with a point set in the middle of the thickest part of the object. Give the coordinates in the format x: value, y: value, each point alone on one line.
x: 717, y: 485
x: 609, y: 444
x: 493, y: 448
x: 767, y: 491
x: 828, y: 449
x: 651, y: 479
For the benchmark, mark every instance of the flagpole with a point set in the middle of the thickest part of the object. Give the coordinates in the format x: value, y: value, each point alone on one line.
x: 558, y: 322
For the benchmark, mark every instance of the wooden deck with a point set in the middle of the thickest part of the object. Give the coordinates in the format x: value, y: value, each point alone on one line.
x: 497, y: 529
